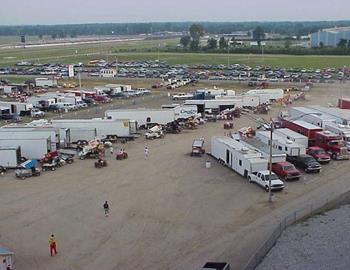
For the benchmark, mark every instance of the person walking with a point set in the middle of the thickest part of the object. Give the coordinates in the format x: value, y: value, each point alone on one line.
x: 146, y: 152
x: 106, y: 208
x: 52, y: 244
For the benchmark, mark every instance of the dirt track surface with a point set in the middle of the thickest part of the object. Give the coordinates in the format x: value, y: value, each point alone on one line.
x: 167, y: 211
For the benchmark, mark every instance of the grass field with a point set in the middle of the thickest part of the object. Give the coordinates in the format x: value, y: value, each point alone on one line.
x: 84, y: 53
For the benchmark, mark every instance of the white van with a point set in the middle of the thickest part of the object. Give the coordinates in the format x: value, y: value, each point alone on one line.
x: 66, y: 106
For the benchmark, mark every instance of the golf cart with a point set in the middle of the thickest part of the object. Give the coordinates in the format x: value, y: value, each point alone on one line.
x: 198, y: 148
x: 27, y: 169
x: 121, y: 154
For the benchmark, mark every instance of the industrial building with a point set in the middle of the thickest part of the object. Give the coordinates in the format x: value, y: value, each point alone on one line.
x: 330, y: 37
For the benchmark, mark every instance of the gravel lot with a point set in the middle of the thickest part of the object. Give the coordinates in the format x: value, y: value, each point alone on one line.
x: 321, y: 242
x: 167, y: 212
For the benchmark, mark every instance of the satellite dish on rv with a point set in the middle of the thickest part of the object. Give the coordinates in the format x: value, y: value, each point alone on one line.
x: 289, y: 142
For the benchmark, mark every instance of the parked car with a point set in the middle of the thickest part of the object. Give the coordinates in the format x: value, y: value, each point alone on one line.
x: 36, y: 113
x: 286, y: 170
x: 319, y: 154
x: 306, y: 162
x: 198, y: 147
x: 262, y: 179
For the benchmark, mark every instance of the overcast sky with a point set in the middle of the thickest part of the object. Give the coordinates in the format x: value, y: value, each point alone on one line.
x: 13, y: 12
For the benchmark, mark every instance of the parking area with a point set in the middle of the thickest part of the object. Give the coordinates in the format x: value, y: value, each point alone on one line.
x: 168, y: 211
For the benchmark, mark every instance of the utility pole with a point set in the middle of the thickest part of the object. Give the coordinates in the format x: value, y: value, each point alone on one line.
x: 270, y: 161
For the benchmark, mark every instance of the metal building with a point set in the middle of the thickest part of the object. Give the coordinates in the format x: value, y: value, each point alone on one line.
x: 330, y: 37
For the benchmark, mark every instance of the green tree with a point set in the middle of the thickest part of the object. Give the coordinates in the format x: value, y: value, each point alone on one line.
x: 223, y: 43
x: 185, y: 41
x: 196, y: 31
x: 40, y: 36
x: 194, y: 45
x: 212, y: 44
x: 287, y: 43
x: 258, y: 34
x: 342, y: 43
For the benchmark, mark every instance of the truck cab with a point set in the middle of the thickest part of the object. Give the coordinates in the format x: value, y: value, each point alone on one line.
x: 333, y: 144
x: 262, y: 179
x: 286, y: 170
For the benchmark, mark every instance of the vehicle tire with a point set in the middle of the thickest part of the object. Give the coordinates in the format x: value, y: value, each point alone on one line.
x: 334, y: 156
x: 44, y: 169
x: 267, y: 188
x: 53, y: 169
x: 23, y: 177
x: 70, y: 161
x: 249, y: 179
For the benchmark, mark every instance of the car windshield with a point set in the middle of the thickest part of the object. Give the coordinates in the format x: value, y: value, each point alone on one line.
x: 320, y: 152
x: 273, y: 177
x: 335, y: 143
x: 288, y: 167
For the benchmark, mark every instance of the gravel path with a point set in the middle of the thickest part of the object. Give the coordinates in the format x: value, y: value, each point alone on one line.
x: 321, y: 242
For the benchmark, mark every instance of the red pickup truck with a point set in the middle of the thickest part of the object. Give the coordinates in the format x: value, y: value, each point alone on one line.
x: 286, y: 170
x: 319, y: 154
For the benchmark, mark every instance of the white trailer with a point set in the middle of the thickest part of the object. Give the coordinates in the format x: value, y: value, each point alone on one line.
x: 105, y: 128
x: 264, y: 149
x: 143, y: 117
x: 216, y: 105
x: 341, y: 130
x: 182, y: 111
x: 10, y: 157
x: 45, y: 82
x: 282, y: 144
x: 82, y: 134
x: 266, y: 94
x: 236, y: 156
x: 311, y: 116
x: 341, y: 116
x: 293, y: 136
x: 34, y: 147
x: 18, y: 108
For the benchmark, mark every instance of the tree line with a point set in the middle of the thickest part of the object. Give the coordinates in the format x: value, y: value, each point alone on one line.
x: 284, y: 28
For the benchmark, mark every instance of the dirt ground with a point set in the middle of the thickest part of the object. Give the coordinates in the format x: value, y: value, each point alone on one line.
x: 167, y: 211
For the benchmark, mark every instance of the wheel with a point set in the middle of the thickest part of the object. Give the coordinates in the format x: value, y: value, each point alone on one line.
x: 267, y: 188
x: 23, y: 177
x: 249, y: 179
x: 334, y: 156
x: 70, y: 161
x: 44, y: 169
x: 53, y: 169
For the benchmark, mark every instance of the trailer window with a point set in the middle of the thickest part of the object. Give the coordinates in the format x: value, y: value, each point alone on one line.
x: 240, y: 162
x: 280, y: 148
x: 286, y: 148
x: 148, y: 120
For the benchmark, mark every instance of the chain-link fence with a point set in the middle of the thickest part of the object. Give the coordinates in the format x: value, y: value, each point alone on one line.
x: 310, y: 210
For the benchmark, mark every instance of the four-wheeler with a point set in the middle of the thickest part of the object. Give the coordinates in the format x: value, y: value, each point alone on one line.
x: 319, y: 154
x: 306, y: 162
x: 286, y: 171
x: 197, y: 147
x: 100, y: 163
x: 121, y: 154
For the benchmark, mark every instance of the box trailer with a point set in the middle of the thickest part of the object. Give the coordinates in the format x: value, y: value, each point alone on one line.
x: 282, y: 144
x: 10, y: 157
x: 216, y: 105
x: 340, y: 116
x: 344, y: 103
x: 264, y: 149
x: 28, y: 131
x: 311, y: 116
x: 236, y: 156
x: 182, y: 111
x: 247, y: 101
x: 45, y: 82
x: 266, y: 95
x: 292, y: 136
x: 105, y: 128
x: 304, y: 128
x: 34, y: 147
x: 82, y: 134
x: 18, y: 108
x: 143, y: 117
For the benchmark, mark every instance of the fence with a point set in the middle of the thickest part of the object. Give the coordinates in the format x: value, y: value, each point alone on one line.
x: 298, y: 215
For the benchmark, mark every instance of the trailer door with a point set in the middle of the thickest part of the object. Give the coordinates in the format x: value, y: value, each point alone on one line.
x: 228, y: 158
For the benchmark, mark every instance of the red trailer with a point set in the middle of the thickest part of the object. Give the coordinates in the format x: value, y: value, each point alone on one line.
x: 304, y: 128
x: 344, y: 103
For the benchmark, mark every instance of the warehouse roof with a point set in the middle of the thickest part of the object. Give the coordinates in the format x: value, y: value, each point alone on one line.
x: 336, y: 30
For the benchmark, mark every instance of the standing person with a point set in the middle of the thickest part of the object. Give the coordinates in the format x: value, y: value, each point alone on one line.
x: 52, y: 243
x: 146, y: 152
x: 106, y: 208
x: 111, y: 150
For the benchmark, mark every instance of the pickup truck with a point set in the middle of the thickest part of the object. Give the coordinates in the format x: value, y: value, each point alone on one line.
x: 286, y: 171
x: 319, y: 154
x: 306, y: 162
x: 262, y: 179
x: 36, y: 113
